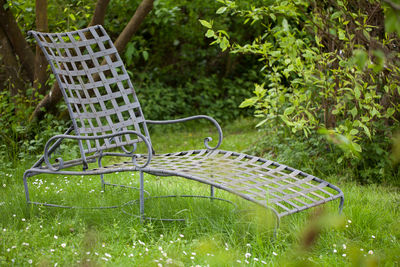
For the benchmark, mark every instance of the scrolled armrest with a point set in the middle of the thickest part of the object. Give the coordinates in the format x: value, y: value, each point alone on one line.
x: 207, y: 139
x: 107, y: 136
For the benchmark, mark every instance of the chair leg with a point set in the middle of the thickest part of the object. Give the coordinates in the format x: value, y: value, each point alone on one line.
x: 141, y: 206
x: 103, y: 184
x: 212, y: 191
x: 26, y: 188
x: 341, y: 204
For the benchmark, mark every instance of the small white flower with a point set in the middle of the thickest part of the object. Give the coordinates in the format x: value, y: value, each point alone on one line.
x: 88, y: 253
x: 370, y: 252
x: 160, y: 248
x: 4, y: 185
x: 169, y: 261
x: 373, y: 236
x: 184, y: 252
x: 274, y: 253
x: 181, y: 235
x: 192, y: 258
x: 361, y: 249
x: 263, y: 262
x: 4, y: 229
x: 334, y: 245
x: 52, y: 250
x: 247, y: 255
x: 344, y: 246
x: 55, y: 264
x: 55, y: 237
x: 239, y: 261
x: 23, y: 219
x: 171, y: 242
x: 347, y: 226
x: 104, y: 259
x: 255, y: 259
x: 349, y: 221
x: 246, y: 261
x: 164, y: 254
x: 130, y: 255
x: 107, y: 255
x: 194, y: 253
x: 334, y: 251
x: 63, y: 245
x: 30, y: 261
x: 248, y: 245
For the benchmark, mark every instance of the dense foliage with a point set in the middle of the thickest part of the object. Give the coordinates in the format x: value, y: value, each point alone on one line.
x: 329, y: 67
x: 174, y: 70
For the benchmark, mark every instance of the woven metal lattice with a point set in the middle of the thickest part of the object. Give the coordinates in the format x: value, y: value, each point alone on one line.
x: 265, y: 182
x: 96, y: 87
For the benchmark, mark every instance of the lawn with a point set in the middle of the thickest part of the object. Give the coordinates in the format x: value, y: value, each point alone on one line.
x: 215, y: 233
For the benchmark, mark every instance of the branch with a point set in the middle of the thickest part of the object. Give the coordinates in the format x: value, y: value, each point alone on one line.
x: 133, y: 25
x: 17, y: 40
x: 392, y: 5
x: 40, y: 60
x: 99, y: 12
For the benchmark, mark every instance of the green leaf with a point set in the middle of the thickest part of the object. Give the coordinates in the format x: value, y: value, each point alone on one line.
x: 210, y: 33
x: 72, y: 17
x: 288, y: 111
x: 248, y: 102
x: 221, y: 10
x: 145, y: 55
x: 205, y: 23
x: 356, y: 147
x: 354, y: 132
x: 357, y: 92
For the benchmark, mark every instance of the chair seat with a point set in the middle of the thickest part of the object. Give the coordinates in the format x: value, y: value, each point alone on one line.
x: 275, y: 186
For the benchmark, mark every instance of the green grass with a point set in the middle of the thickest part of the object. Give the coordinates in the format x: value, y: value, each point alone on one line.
x: 215, y: 233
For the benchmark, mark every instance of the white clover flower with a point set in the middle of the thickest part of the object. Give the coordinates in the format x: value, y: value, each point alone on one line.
x: 55, y: 237
x: 52, y: 250
x: 184, y: 252
x: 130, y: 255
x: 63, y: 245
x: 246, y: 261
x: 30, y: 261
x: 192, y: 258
x: 255, y: 259
x: 334, y: 251
x: 247, y: 255
x: 181, y: 235
x: 361, y: 249
x: 349, y: 221
x: 274, y: 253
x: 169, y: 261
x: 344, y: 246
x: 160, y: 248
x: 4, y: 185
x: 373, y: 236
x: 344, y: 255
x: 370, y: 252
x: 23, y: 219
x: 107, y: 255
x: 248, y: 245
x: 105, y: 259
x: 193, y: 253
x: 264, y: 262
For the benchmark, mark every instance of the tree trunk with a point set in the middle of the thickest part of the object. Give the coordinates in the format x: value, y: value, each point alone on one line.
x: 50, y: 101
x: 17, y: 40
x: 40, y: 60
x: 10, y: 65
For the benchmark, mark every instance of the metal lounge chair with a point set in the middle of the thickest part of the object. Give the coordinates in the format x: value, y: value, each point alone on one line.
x: 107, y: 120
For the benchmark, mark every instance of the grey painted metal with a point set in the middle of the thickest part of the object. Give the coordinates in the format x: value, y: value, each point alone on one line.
x: 107, y: 120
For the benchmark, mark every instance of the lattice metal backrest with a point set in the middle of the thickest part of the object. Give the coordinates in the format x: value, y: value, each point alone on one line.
x: 96, y: 87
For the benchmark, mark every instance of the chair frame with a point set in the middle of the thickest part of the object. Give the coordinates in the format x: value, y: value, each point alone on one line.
x: 106, y: 116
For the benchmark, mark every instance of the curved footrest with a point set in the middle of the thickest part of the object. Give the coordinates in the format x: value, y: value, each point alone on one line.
x: 137, y: 202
